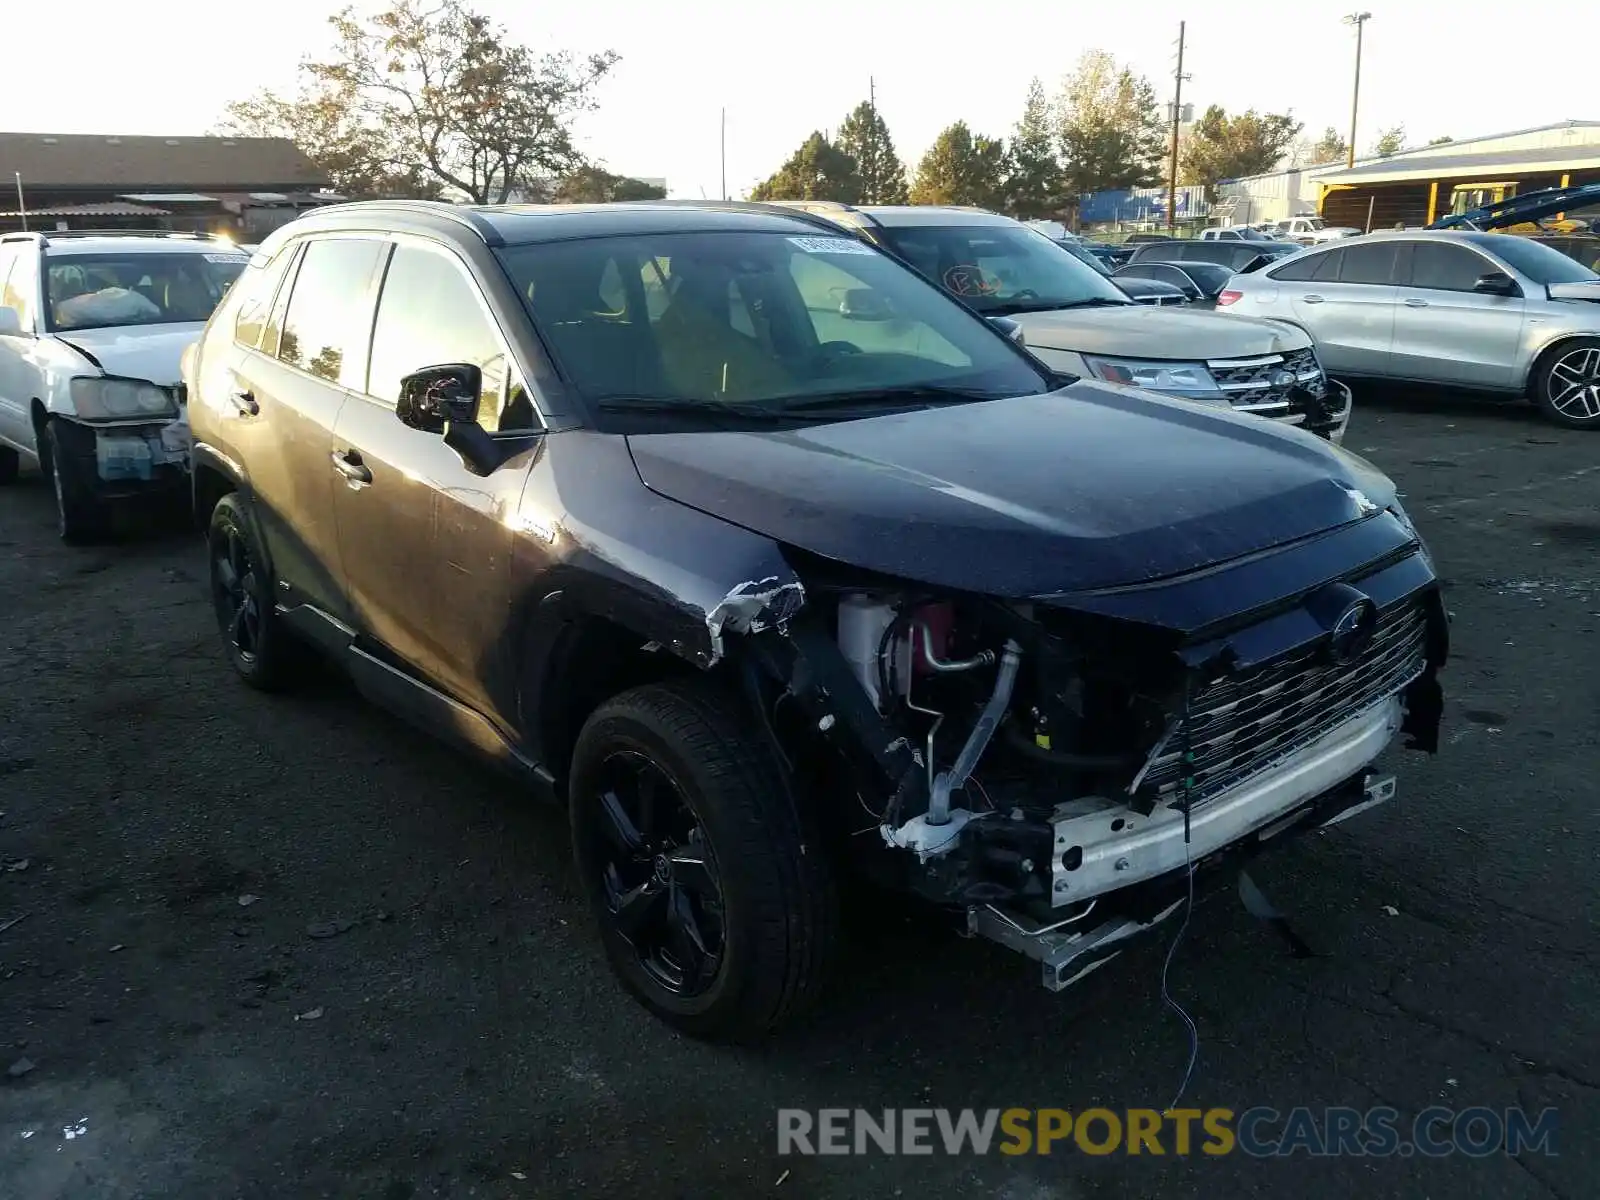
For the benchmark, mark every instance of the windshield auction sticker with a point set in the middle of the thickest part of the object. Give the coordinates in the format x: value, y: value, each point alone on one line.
x: 830, y: 245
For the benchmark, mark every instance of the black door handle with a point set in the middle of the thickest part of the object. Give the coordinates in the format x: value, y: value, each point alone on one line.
x: 245, y: 402
x: 348, y: 463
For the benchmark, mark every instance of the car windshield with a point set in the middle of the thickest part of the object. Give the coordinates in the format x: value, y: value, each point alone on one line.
x: 1088, y: 257
x: 99, y: 291
x: 1001, y: 269
x: 1208, y: 275
x: 743, y: 323
x: 1540, y: 263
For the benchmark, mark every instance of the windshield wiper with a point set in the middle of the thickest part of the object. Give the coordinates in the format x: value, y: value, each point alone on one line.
x: 683, y: 406
x: 1030, y: 306
x: 907, y: 394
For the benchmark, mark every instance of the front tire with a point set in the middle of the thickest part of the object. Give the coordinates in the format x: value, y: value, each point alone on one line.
x: 260, y: 649
x: 712, y: 893
x: 80, y: 517
x: 1566, y: 385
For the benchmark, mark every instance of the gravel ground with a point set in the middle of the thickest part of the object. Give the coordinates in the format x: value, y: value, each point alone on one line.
x: 289, y: 948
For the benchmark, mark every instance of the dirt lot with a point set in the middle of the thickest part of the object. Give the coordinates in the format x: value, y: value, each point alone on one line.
x: 288, y: 948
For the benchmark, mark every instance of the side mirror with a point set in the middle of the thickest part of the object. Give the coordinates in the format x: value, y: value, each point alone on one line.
x: 10, y: 322
x: 864, y: 304
x: 438, y: 396
x: 1496, y: 283
x: 1008, y: 327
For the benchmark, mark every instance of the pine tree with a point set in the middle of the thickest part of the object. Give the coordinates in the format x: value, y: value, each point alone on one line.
x: 961, y: 168
x: 819, y: 170
x: 1034, y: 187
x: 865, y: 138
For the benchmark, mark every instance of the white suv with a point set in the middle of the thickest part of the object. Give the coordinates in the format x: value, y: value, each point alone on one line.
x: 92, y: 327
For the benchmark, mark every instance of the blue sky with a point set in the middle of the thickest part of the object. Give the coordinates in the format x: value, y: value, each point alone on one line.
x: 782, y: 70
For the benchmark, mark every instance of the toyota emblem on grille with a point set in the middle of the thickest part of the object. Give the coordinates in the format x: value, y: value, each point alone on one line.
x: 1349, y: 616
x: 1352, y: 632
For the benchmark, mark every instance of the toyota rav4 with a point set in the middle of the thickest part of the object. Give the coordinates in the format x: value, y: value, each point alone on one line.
x: 774, y: 563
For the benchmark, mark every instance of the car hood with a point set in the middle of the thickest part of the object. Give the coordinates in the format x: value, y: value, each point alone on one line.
x: 138, y: 352
x: 1146, y: 331
x: 1088, y: 487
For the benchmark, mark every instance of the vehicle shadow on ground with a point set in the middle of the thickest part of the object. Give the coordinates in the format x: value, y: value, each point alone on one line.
x: 1453, y: 405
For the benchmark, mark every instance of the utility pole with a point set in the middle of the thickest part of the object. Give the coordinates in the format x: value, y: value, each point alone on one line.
x: 1177, y: 117
x: 1359, y: 20
x: 724, y: 154
x: 872, y: 95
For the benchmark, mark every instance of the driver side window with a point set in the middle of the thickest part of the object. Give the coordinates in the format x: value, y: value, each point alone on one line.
x: 432, y: 313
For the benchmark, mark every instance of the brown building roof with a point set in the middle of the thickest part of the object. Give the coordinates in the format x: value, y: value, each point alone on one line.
x: 48, y: 160
x: 91, y: 210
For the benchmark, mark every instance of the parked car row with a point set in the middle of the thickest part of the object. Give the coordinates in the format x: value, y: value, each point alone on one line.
x: 1491, y: 312
x: 743, y: 532
x: 1084, y: 323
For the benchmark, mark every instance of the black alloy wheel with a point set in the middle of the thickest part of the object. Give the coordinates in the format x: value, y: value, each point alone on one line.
x: 235, y: 591
x: 713, y: 893
x: 663, y: 894
x: 262, y: 653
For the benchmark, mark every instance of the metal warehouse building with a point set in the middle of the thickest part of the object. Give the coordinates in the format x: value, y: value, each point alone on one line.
x: 1415, y: 186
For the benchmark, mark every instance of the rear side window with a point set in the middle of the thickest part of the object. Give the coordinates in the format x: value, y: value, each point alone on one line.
x: 1373, y: 262
x: 1322, y: 267
x: 1446, y: 268
x: 257, y: 288
x: 329, y: 319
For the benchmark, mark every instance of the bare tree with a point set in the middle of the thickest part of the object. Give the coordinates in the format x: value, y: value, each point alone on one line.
x: 432, y: 97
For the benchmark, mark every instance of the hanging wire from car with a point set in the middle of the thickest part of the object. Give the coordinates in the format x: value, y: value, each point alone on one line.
x: 1186, y: 789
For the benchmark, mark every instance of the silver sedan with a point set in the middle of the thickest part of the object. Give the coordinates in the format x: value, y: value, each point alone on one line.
x: 1487, y: 311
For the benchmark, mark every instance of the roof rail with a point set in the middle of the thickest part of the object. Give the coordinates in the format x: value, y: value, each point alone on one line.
x: 797, y: 209
x: 46, y: 236
x: 460, y: 214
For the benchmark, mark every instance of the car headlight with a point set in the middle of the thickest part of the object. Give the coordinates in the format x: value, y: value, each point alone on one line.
x: 1182, y: 378
x: 103, y: 398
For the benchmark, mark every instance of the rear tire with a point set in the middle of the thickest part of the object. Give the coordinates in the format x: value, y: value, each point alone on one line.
x: 712, y: 857
x: 80, y: 516
x: 1566, y: 384
x: 262, y: 652
x: 10, y: 465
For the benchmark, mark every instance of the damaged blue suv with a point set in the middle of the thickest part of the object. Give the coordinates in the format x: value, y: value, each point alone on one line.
x: 775, y: 564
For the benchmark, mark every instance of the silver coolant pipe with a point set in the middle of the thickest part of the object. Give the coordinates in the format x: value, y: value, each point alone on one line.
x: 978, y: 740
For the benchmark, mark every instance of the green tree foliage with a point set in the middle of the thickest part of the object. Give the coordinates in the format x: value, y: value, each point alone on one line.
x: 1035, y: 187
x: 865, y: 138
x: 1330, y: 147
x: 1108, y: 127
x: 1441, y: 141
x: 427, y: 97
x: 594, y: 185
x: 1390, y: 141
x: 962, y: 167
x: 819, y: 170
x: 1223, y: 147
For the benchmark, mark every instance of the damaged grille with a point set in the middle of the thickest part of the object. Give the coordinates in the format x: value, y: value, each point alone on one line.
x: 1262, y: 385
x: 1240, y: 726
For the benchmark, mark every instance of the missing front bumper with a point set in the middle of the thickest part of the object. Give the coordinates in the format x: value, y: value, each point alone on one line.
x: 1102, y: 845
x: 1072, y: 948
x: 111, y: 461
